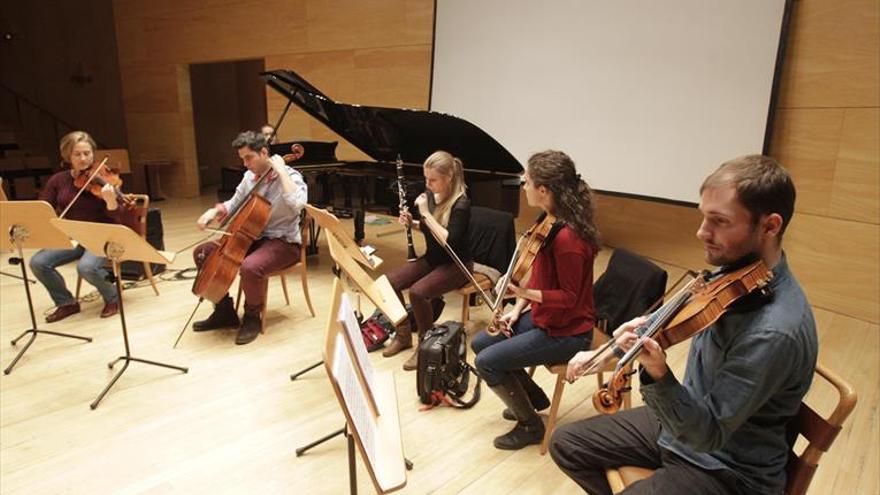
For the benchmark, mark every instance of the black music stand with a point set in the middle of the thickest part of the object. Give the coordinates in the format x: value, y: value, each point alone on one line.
x: 26, y: 224
x: 118, y: 243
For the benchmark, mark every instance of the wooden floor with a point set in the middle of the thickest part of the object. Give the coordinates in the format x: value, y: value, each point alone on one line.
x: 232, y: 423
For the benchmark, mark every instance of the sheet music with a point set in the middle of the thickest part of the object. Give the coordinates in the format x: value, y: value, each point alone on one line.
x: 349, y: 321
x: 355, y: 401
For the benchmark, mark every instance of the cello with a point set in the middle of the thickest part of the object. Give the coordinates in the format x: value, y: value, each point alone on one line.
x: 245, y: 225
x: 693, y: 309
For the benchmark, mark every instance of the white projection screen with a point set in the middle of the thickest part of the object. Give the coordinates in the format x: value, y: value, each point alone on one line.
x: 648, y: 97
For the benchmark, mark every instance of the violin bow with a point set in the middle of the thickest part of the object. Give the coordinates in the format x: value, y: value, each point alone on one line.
x: 83, y: 188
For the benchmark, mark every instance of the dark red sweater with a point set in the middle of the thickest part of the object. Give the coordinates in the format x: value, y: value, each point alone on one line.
x: 563, y: 272
x: 60, y: 191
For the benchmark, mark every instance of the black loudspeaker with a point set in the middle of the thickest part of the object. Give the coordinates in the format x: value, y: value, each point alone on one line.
x: 134, y: 270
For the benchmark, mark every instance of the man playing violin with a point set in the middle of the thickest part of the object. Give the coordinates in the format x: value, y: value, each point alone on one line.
x: 722, y: 429
x: 278, y: 246
x: 78, y: 152
x: 554, y: 313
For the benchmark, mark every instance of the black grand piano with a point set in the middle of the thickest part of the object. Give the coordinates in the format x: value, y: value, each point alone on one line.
x: 491, y: 172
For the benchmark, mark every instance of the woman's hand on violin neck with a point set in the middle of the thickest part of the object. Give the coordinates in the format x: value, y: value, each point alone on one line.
x: 509, y: 318
x: 108, y: 192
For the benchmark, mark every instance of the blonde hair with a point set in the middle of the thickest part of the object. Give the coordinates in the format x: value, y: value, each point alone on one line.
x: 449, y: 166
x: 70, y: 140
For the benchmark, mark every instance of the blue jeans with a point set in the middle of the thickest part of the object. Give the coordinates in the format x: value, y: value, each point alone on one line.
x: 499, y: 356
x: 90, y: 267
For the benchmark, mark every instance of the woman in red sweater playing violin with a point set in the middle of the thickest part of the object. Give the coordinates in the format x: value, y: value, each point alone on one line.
x: 554, y: 313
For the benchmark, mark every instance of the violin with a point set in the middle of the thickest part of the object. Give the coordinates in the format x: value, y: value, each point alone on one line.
x: 95, y: 178
x: 526, y: 251
x: 693, y: 309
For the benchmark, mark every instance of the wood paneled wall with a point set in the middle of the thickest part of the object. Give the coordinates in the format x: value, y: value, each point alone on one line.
x: 827, y: 134
x: 826, y: 128
x: 375, y: 52
x: 62, y: 57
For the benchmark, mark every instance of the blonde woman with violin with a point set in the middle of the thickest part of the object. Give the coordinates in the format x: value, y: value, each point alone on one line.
x: 554, y: 313
x: 445, y: 214
x: 78, y: 155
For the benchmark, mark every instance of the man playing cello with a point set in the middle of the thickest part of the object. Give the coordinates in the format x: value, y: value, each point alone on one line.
x: 277, y: 247
x: 722, y: 429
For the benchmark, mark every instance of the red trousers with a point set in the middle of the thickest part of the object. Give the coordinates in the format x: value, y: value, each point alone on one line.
x: 264, y: 257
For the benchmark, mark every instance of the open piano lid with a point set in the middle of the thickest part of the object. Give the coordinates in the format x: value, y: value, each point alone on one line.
x: 383, y: 133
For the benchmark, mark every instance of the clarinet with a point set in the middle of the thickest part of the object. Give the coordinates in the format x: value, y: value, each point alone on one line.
x: 401, y: 192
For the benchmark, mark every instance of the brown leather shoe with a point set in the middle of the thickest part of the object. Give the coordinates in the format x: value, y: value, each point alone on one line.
x: 413, y: 362
x: 398, y: 344
x: 110, y: 309
x: 62, y: 312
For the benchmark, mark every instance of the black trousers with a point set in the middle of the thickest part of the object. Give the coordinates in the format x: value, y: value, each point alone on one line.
x: 585, y: 449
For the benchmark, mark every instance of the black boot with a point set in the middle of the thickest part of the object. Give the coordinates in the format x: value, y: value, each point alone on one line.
x: 224, y: 316
x: 536, y: 394
x: 529, y: 429
x: 251, y: 325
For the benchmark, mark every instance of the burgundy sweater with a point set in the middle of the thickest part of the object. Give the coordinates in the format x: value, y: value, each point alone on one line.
x: 563, y: 272
x: 60, y: 191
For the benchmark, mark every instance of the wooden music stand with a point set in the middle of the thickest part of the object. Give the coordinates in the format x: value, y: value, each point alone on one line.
x: 379, y: 291
x: 118, y: 243
x: 330, y: 223
x: 368, y: 400
x: 26, y: 224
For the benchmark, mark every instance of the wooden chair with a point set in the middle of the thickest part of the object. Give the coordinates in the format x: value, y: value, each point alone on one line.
x: 468, y: 290
x: 302, y: 265
x: 819, y: 432
x: 627, y: 288
x: 599, y: 339
x: 141, y: 208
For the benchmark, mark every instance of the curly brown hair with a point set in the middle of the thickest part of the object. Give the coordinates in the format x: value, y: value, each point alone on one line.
x: 571, y: 194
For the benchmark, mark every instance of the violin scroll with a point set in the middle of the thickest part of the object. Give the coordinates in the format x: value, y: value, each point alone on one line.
x: 609, y: 398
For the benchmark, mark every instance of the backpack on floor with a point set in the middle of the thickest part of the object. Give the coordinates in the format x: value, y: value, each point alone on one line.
x: 443, y: 372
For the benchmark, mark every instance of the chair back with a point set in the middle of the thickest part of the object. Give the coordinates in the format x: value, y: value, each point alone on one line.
x: 305, y: 237
x: 491, y: 237
x: 139, y: 213
x: 819, y: 432
x: 629, y: 286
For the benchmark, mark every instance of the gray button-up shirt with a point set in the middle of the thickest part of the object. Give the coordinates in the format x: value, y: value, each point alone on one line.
x: 745, y: 378
x: 286, y: 207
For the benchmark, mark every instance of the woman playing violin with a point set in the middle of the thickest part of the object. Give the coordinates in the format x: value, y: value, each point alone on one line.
x: 78, y: 152
x: 445, y: 213
x: 722, y: 429
x: 559, y: 295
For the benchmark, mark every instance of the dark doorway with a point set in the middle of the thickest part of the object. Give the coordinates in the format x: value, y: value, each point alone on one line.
x: 227, y: 98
